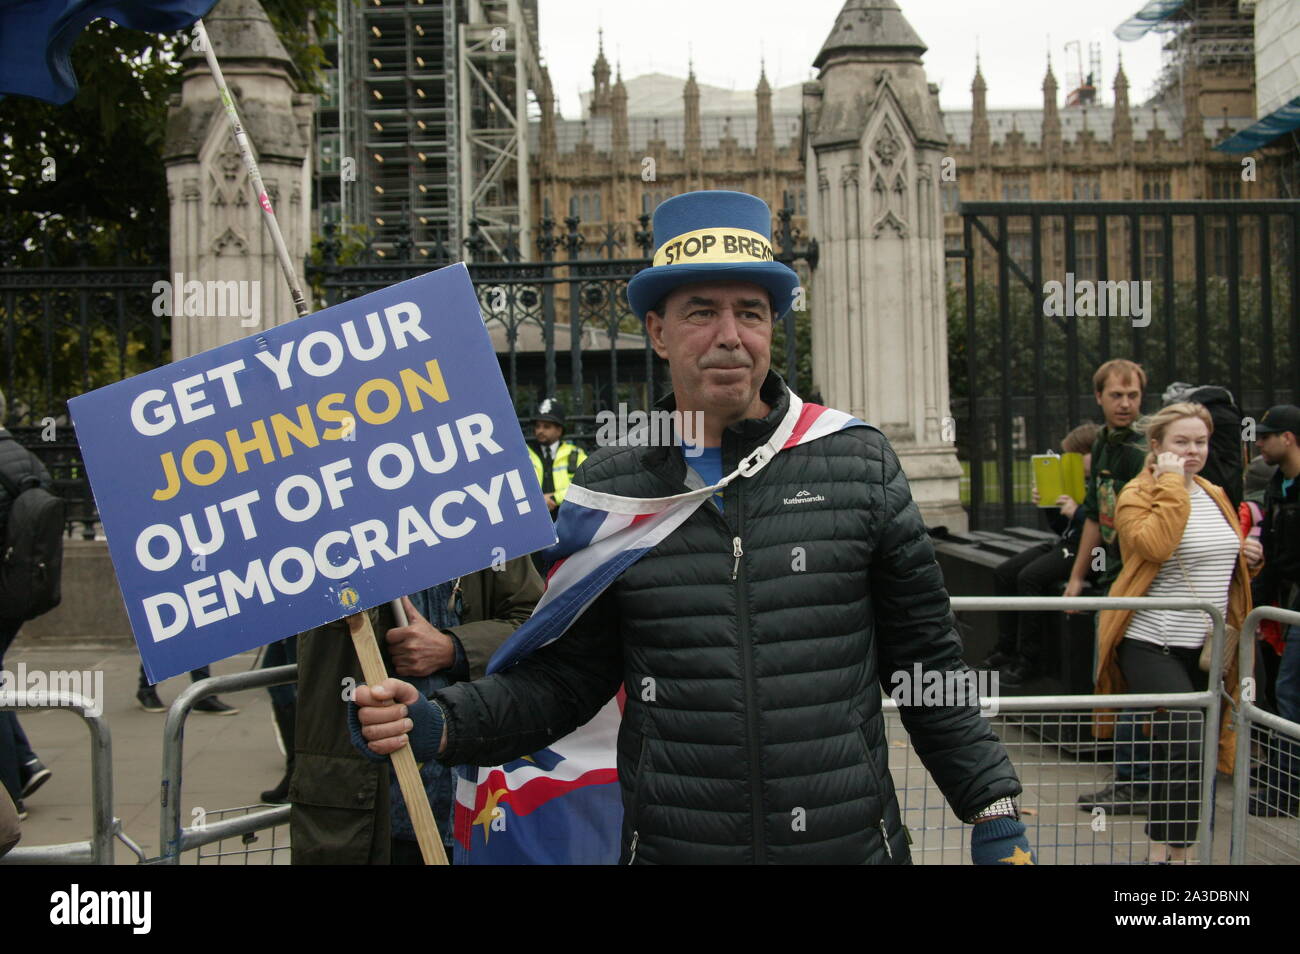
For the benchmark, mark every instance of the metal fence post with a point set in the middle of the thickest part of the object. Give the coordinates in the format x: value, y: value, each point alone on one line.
x: 1210, y: 752
x: 1248, y: 715
x: 1206, y: 701
x: 99, y: 849
x: 172, y: 838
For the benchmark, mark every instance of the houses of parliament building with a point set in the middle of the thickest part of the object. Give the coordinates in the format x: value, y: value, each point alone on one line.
x: 642, y: 140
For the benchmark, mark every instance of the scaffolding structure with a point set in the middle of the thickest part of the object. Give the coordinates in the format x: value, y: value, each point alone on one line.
x: 1203, y: 35
x: 498, y: 69
x: 422, y: 128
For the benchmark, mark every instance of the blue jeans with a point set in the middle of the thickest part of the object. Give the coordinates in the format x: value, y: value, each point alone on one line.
x: 1132, y: 756
x: 15, y: 750
x: 1285, y: 760
x: 282, y: 652
x: 1132, y: 751
x: 1287, y: 689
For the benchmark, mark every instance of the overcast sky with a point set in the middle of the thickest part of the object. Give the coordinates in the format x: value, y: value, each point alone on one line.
x: 726, y: 38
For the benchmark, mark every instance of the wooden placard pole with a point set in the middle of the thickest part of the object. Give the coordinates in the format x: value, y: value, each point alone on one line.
x: 408, y: 775
x: 363, y: 634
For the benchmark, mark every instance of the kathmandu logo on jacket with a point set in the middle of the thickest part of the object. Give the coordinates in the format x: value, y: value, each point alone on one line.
x: 803, y: 497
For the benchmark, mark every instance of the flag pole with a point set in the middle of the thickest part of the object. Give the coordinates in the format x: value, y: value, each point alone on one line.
x: 363, y: 634
x: 250, y: 163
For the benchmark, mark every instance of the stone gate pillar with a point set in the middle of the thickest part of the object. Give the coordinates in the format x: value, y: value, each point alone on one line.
x: 217, y: 233
x: 873, y: 148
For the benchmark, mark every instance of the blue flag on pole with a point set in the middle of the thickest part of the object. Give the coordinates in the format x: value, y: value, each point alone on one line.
x: 36, y: 37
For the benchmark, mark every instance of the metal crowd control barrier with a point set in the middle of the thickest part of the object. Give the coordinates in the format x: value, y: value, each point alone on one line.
x: 104, y: 825
x: 931, y: 841
x: 1278, y: 794
x: 174, y: 838
x: 1057, y: 827
x: 918, y: 798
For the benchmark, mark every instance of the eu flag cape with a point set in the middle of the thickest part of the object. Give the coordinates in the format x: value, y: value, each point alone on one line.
x: 562, y: 805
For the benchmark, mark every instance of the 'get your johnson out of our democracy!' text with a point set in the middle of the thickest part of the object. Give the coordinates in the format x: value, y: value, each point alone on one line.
x: 338, y: 553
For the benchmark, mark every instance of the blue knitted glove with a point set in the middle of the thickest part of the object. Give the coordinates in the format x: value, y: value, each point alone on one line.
x: 1001, y: 841
x: 425, y: 736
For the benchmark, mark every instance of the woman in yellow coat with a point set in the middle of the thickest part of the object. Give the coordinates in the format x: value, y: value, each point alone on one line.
x: 1179, y: 536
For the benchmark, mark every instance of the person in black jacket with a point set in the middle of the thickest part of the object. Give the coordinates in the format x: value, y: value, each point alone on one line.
x: 1278, y: 584
x: 1225, y: 464
x: 21, y: 772
x: 768, y: 622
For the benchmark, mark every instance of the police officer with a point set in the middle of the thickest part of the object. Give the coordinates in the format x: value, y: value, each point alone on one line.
x: 554, y: 459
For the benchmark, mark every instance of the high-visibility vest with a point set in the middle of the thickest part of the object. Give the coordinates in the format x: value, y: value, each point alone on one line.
x: 568, y: 457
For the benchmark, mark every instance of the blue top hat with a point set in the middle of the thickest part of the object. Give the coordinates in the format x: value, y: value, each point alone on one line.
x: 712, y: 236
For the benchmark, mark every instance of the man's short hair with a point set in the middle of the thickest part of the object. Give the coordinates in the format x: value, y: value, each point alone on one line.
x: 662, y: 303
x: 1122, y: 368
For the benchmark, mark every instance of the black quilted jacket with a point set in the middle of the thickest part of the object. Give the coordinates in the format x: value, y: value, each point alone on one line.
x: 753, y: 730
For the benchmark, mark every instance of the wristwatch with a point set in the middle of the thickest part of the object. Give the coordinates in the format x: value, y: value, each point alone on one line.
x: 1002, y: 808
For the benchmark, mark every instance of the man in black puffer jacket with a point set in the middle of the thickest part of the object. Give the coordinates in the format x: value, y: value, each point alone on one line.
x: 753, y: 642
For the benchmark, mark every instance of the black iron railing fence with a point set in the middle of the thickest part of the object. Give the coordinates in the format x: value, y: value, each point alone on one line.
x: 1218, y: 302
x: 79, y: 310
x: 1222, y: 307
x: 561, y: 323
x: 76, y: 312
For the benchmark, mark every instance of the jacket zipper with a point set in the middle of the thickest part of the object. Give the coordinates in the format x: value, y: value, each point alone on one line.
x: 871, y: 761
x: 638, y: 801
x: 747, y: 668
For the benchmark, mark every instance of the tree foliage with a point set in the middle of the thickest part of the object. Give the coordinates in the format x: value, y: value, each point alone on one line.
x: 1169, y: 348
x: 106, y: 144
x: 83, y: 184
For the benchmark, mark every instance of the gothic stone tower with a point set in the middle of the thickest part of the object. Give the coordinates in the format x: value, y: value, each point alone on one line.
x: 874, y: 144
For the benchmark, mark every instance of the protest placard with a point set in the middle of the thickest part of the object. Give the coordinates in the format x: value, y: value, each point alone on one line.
x: 330, y: 464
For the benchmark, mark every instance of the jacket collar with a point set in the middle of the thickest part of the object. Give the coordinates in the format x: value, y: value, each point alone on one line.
x: 1274, y: 485
x: 1120, y: 435
x: 1216, y: 493
x: 737, y: 440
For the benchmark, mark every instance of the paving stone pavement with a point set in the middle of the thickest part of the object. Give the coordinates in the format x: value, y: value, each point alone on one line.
x: 228, y: 760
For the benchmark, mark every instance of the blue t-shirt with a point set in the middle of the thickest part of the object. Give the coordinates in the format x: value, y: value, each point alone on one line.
x: 709, y: 466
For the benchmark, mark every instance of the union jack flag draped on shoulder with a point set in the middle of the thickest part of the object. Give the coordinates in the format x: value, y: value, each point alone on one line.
x: 563, y: 803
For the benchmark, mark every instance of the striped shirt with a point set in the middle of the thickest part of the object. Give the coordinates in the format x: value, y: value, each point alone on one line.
x: 1208, y: 551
